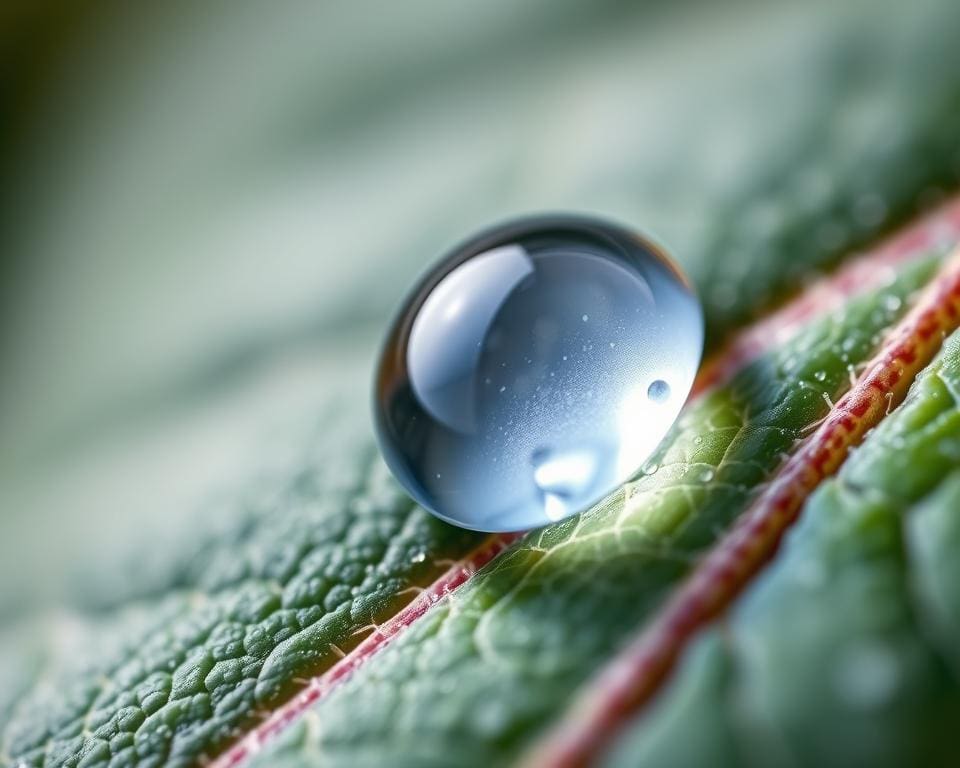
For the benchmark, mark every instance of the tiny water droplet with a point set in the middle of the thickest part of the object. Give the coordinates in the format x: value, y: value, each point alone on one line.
x: 706, y: 475
x: 499, y: 307
x: 658, y: 391
x: 820, y: 375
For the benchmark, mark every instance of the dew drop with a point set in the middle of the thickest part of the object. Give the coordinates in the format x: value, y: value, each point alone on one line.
x: 498, y: 307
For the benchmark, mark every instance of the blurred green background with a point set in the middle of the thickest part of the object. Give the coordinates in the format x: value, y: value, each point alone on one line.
x: 209, y: 210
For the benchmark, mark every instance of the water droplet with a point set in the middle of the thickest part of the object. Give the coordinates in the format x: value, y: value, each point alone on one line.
x: 658, y: 391
x: 706, y: 475
x: 568, y: 434
x: 820, y: 375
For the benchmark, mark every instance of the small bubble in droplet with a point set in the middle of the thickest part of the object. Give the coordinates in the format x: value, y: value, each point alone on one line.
x: 658, y: 391
x: 585, y: 318
x: 503, y: 389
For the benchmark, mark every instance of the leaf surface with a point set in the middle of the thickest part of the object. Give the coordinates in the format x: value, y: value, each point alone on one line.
x: 169, y: 651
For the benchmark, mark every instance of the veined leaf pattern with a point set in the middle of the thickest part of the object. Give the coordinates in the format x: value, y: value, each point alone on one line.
x: 209, y: 636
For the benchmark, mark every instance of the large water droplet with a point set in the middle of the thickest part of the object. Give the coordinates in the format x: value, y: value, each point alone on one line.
x: 535, y: 369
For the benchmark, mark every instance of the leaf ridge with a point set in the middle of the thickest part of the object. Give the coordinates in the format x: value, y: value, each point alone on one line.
x: 317, y: 687
x: 858, y: 275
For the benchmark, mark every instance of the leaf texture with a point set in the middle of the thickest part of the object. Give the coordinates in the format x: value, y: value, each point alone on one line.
x: 756, y: 187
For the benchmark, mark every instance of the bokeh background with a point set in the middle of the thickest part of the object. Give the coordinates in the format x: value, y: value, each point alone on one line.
x: 209, y: 210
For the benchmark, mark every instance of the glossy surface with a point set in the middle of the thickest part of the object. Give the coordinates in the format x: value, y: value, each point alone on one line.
x: 535, y: 369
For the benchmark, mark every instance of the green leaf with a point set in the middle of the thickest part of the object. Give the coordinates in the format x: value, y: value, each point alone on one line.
x: 762, y: 145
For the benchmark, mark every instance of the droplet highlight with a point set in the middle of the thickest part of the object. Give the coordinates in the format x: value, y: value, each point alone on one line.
x: 535, y: 369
